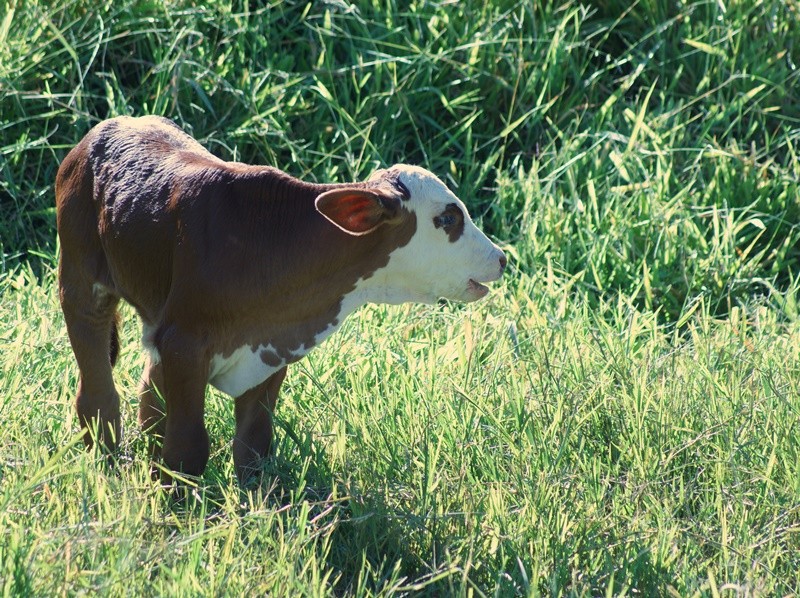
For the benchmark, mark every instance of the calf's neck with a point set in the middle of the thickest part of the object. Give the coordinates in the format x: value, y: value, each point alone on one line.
x: 236, y: 272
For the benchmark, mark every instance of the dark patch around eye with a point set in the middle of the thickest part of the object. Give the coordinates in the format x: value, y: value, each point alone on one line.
x: 452, y: 220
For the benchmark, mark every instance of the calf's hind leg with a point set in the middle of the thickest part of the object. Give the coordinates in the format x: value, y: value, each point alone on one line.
x: 90, y: 315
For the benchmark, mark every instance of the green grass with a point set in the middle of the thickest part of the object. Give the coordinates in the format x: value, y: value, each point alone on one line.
x: 621, y: 416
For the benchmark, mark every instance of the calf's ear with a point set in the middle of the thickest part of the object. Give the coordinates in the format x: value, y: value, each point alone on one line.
x: 357, y: 211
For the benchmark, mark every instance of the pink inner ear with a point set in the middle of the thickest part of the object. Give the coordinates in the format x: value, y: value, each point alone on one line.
x: 360, y: 213
x: 357, y: 212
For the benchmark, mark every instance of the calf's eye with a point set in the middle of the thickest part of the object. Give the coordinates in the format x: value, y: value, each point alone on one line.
x: 452, y: 221
x: 445, y: 220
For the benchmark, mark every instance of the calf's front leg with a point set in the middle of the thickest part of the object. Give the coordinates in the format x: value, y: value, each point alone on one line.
x: 184, y: 370
x: 254, y: 424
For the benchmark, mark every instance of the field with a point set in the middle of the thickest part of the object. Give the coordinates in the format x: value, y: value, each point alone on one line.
x: 620, y: 417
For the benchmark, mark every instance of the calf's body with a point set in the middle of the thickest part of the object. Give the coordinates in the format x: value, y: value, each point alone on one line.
x: 236, y: 271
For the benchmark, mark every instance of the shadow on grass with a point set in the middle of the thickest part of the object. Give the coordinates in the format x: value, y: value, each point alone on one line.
x: 365, y: 541
x: 357, y: 536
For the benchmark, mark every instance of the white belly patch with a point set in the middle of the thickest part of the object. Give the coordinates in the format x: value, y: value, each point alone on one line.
x: 249, y: 366
x: 241, y: 370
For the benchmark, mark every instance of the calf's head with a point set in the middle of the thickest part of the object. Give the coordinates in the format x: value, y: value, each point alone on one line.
x: 446, y: 257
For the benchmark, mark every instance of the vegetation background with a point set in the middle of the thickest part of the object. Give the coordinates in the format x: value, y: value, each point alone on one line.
x: 622, y: 416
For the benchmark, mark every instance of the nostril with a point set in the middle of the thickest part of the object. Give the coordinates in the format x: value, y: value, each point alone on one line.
x: 503, y: 261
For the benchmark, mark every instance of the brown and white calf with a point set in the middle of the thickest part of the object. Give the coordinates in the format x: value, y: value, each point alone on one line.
x: 236, y: 271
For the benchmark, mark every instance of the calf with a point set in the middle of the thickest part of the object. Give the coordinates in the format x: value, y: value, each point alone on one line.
x: 236, y: 271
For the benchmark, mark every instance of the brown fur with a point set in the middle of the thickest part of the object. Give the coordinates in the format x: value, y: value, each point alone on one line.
x: 213, y: 255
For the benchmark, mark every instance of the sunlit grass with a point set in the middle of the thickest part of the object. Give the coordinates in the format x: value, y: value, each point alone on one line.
x: 498, y: 446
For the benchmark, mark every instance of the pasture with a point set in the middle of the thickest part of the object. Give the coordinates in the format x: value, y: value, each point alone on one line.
x: 621, y: 416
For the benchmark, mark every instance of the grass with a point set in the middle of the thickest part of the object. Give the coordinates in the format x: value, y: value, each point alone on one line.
x: 619, y: 417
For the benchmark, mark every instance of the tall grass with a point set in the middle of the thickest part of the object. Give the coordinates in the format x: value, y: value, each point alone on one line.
x: 667, y: 136
x: 620, y: 417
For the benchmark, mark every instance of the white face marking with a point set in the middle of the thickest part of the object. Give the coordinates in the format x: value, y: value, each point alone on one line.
x: 430, y: 266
